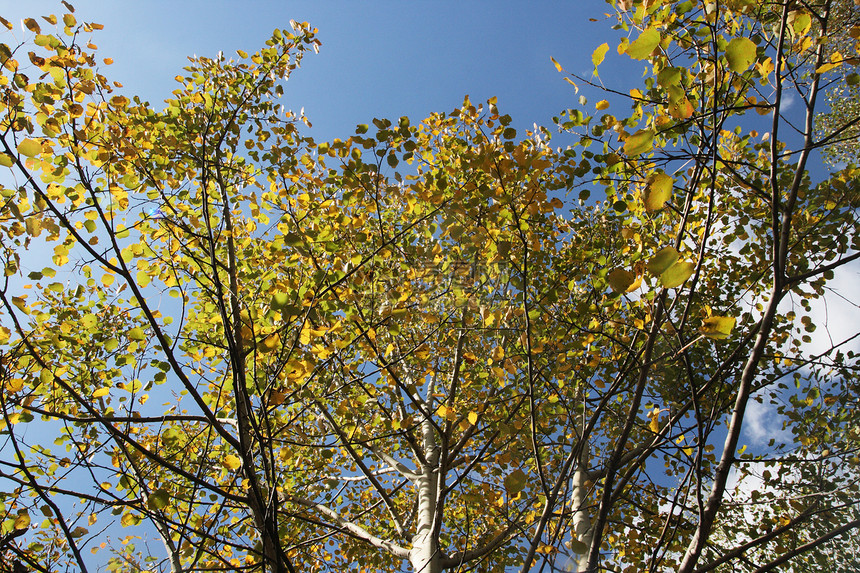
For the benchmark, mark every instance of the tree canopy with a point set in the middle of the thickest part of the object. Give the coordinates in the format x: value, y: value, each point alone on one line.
x: 436, y: 345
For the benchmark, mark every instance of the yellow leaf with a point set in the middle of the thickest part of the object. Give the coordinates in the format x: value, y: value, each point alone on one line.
x: 498, y: 354
x: 270, y: 343
x: 14, y: 385
x: 101, y: 392
x: 231, y: 462
x: 29, y: 148
x: 679, y: 106
x: 598, y: 54
x: 305, y: 336
x: 717, y: 327
x: 473, y: 418
x: 23, y: 520
x: 677, y: 274
x: 639, y: 142
x: 825, y: 68
x: 601, y: 105
x: 659, y: 191
x: 21, y: 303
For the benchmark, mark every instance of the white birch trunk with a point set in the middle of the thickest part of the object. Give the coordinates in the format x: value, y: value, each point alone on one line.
x: 581, y: 524
x: 425, y: 555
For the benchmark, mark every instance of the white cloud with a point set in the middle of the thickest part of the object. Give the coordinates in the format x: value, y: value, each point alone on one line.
x: 762, y: 423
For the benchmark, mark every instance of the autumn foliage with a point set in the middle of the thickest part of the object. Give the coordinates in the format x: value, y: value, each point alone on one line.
x: 436, y: 345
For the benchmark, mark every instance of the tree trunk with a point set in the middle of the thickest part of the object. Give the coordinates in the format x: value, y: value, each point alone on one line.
x: 581, y: 524
x: 424, y: 555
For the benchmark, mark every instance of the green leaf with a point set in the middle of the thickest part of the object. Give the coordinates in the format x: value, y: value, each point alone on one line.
x: 136, y: 333
x: 600, y: 53
x: 577, y: 546
x: 29, y: 148
x: 665, y: 258
x: 740, y: 54
x: 158, y: 499
x: 89, y: 321
x: 802, y: 23
x: 279, y: 300
x: 642, y: 46
x: 677, y: 274
x: 669, y: 77
x: 46, y: 376
x: 516, y: 482
x: 292, y: 239
x: 718, y: 327
x: 620, y: 280
x: 639, y: 142
x: 659, y: 191
x: 143, y: 279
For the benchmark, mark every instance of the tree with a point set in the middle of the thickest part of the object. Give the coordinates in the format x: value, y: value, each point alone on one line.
x: 425, y: 347
x: 840, y: 122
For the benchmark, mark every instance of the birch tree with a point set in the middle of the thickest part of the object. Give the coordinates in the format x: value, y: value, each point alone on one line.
x: 430, y: 346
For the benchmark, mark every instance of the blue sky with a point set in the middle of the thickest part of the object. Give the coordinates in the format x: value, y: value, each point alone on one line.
x: 378, y: 59
x: 384, y: 58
